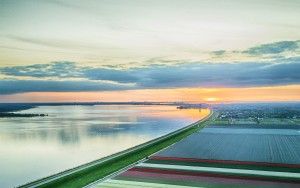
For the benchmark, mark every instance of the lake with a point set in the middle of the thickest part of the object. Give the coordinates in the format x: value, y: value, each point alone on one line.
x: 32, y: 148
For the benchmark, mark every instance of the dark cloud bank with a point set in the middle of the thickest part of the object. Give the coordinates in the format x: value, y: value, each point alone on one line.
x: 274, y: 48
x: 281, y: 71
x: 266, y: 49
x: 193, y: 74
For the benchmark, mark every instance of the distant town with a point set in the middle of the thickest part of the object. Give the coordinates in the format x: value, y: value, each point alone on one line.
x: 262, y: 114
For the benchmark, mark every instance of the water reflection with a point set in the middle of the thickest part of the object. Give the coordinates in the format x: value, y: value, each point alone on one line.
x: 35, y: 147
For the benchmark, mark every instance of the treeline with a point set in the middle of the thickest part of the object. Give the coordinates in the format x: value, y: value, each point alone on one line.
x: 21, y: 115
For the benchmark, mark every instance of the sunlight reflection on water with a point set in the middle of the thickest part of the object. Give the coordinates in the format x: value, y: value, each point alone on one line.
x: 36, y: 147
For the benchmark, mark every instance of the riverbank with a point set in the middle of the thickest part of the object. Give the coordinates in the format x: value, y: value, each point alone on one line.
x: 90, y: 172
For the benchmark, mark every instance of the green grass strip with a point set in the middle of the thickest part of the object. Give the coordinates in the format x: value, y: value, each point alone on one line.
x: 95, y: 172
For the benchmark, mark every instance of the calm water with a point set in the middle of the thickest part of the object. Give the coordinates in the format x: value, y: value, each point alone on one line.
x: 32, y: 148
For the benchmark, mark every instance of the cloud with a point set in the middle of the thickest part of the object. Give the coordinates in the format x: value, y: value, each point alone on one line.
x: 218, y: 52
x: 159, y: 73
x: 245, y: 74
x: 21, y: 86
x: 273, y: 48
x: 121, y: 76
x: 61, y: 69
x: 53, y: 43
x: 36, y: 41
x: 187, y: 74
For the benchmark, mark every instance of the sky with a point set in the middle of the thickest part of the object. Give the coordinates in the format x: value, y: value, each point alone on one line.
x: 141, y: 50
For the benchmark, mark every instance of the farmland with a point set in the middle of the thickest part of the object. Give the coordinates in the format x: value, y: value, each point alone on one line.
x: 256, y: 145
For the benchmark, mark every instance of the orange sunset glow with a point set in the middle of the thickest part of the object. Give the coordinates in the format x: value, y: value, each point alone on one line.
x: 209, y: 95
